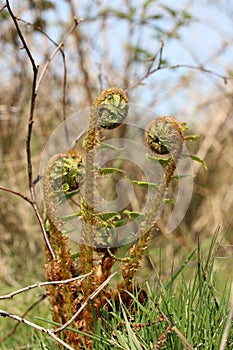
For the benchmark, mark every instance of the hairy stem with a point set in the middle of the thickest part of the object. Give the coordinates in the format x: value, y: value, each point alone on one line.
x: 163, y: 136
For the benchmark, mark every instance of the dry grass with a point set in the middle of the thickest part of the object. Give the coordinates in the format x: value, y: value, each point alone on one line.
x: 21, y: 242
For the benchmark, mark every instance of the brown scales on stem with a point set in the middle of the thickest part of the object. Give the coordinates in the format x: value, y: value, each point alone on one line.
x: 62, y: 297
x: 58, y: 179
x: 164, y: 136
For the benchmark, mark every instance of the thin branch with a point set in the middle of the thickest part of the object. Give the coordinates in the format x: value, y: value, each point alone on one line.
x: 42, y: 284
x: 3, y: 7
x: 41, y: 222
x: 228, y: 325
x: 160, y: 54
x: 82, y: 61
x: 30, y: 126
x: 58, y: 48
x: 149, y: 70
x: 64, y: 65
x: 182, y: 338
x: 184, y: 341
x: 200, y: 68
x: 17, y: 194
x: 49, y: 332
x: 129, y: 40
x: 86, y: 302
x: 64, y: 94
x: 31, y: 307
x: 14, y: 18
x: 33, y: 99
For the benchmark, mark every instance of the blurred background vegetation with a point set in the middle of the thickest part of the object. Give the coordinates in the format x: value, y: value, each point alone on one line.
x: 188, y: 45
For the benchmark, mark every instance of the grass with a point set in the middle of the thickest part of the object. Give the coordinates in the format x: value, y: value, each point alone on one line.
x: 184, y: 311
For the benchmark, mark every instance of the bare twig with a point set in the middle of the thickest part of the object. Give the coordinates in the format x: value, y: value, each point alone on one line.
x: 128, y: 55
x: 82, y: 62
x: 58, y: 48
x: 160, y: 54
x: 49, y: 332
x: 228, y: 325
x: 200, y: 68
x: 25, y: 46
x: 12, y: 331
x: 41, y: 222
x: 86, y: 302
x: 30, y: 126
x: 3, y: 7
x: 184, y: 341
x: 64, y: 63
x: 151, y: 71
x: 17, y: 194
x: 42, y: 284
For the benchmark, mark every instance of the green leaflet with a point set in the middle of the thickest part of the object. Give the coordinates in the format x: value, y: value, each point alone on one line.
x: 105, y: 217
x: 147, y: 3
x: 106, y: 146
x: 134, y: 215
x: 122, y: 222
x: 108, y: 216
x: 71, y: 216
x: 198, y: 159
x: 143, y: 183
x: 192, y: 138
x: 180, y: 177
x: 107, y: 171
x: 184, y: 126
x: 169, y: 200
x: 162, y: 161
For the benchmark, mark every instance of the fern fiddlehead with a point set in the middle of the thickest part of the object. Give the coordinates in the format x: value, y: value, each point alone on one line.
x: 111, y: 108
x: 164, y: 136
x: 108, y: 111
x: 67, y: 171
x: 62, y: 175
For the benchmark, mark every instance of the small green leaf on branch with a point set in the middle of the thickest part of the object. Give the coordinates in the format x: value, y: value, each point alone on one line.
x: 106, y: 146
x: 192, y: 138
x: 143, y: 183
x: 108, y: 216
x: 134, y: 215
x: 162, y: 161
x: 197, y: 159
x: 108, y: 171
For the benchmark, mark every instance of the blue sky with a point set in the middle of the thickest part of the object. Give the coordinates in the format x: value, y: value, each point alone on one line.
x: 199, y: 43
